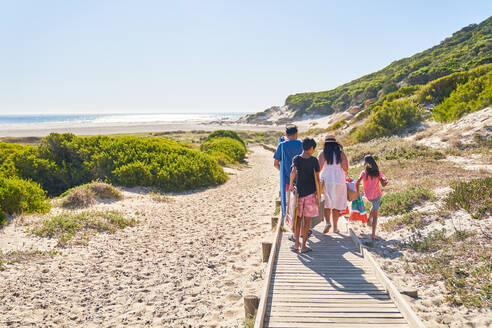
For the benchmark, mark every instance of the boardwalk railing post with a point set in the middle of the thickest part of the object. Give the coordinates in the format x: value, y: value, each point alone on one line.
x: 274, y: 221
x: 251, y: 303
x: 266, y: 248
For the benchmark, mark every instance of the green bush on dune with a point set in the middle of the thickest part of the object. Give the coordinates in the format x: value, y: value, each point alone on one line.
x: 225, y: 134
x: 390, y: 118
x: 64, y: 161
x: 21, y: 196
x: 232, y: 148
x: 225, y: 146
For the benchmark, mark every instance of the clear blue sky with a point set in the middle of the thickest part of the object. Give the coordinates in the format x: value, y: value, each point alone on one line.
x: 96, y: 56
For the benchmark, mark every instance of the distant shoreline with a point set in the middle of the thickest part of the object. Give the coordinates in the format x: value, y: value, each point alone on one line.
x: 41, y: 130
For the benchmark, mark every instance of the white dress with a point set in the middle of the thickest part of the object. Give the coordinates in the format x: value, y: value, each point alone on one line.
x: 333, y: 177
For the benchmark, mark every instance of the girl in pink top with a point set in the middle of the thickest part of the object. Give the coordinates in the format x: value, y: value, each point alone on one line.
x: 371, y: 177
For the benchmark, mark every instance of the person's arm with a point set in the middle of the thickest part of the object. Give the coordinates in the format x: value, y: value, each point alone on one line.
x: 344, y: 163
x: 357, y: 184
x: 277, y: 157
x: 321, y: 160
x: 276, y: 164
x: 292, y: 177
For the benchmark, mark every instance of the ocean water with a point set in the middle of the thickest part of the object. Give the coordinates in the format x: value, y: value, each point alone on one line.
x: 102, y: 119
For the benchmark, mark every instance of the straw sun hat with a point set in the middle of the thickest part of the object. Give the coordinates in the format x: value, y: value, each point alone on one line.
x: 332, y: 138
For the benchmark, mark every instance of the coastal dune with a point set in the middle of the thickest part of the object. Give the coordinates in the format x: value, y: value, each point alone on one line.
x: 188, y: 263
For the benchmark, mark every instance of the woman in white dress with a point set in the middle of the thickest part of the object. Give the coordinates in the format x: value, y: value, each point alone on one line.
x: 334, y: 169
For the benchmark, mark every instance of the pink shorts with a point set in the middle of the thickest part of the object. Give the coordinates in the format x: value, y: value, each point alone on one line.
x: 308, y: 206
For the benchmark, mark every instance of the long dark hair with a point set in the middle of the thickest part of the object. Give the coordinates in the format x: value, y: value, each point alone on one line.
x: 331, y: 148
x: 371, y: 166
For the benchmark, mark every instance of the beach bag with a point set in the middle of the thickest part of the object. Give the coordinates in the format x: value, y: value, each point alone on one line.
x: 291, y: 215
x: 358, y: 211
x: 352, y: 193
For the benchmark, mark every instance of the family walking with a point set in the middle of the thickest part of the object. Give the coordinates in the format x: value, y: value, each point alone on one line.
x: 308, y: 177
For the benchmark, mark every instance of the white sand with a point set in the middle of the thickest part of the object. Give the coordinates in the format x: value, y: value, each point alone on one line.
x: 187, y: 264
x: 41, y: 130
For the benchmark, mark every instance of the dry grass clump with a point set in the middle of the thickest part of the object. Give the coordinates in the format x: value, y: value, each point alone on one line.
x: 67, y: 226
x: 462, y: 260
x: 412, y: 220
x: 402, y: 202
x: 160, y: 198
x: 85, y: 195
x: 12, y: 257
x: 474, y: 196
x: 390, y: 148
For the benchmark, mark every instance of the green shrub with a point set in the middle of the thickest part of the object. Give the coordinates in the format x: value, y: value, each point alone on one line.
x: 134, y: 174
x: 466, y: 98
x: 388, y: 119
x: 66, y: 226
x: 63, y: 161
x: 231, y: 147
x: 337, y: 125
x: 474, y: 196
x: 402, y: 202
x: 21, y: 196
x: 221, y: 158
x: 438, y: 90
x: 225, y: 134
x: 3, y: 218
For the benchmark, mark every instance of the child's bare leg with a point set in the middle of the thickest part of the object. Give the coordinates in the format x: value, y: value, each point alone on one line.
x: 327, y: 214
x: 297, y: 232
x: 336, y: 215
x: 374, y: 223
x: 305, y: 230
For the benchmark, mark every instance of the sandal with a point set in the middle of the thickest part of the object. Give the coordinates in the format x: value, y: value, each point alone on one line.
x: 308, y: 249
x: 327, y: 228
x: 293, y: 249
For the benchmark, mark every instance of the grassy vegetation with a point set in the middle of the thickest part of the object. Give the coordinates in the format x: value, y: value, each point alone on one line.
x: 461, y: 260
x: 65, y: 226
x: 474, y: 196
x: 85, y: 195
x: 411, y: 220
x: 464, y: 50
x: 392, y: 148
x: 403, y: 202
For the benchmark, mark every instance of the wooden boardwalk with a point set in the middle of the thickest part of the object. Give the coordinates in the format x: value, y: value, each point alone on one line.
x: 332, y: 286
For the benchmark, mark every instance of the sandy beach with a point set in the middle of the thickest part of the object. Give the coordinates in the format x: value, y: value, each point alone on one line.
x: 186, y: 264
x: 41, y: 130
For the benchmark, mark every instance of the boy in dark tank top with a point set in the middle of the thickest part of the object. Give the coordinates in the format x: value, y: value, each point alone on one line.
x: 306, y: 168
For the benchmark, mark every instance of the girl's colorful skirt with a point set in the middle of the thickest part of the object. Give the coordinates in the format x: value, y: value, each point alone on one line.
x: 358, y: 211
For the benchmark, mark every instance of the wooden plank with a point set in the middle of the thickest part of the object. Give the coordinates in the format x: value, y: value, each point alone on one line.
x: 341, y: 304
x: 327, y: 298
x: 302, y: 321
x: 337, y: 310
x: 317, y: 314
x: 327, y: 288
x: 335, y: 325
x: 316, y: 293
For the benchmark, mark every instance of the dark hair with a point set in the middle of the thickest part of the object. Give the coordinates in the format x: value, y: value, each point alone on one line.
x: 372, y: 171
x: 307, y: 143
x: 291, y: 130
x: 331, y: 148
